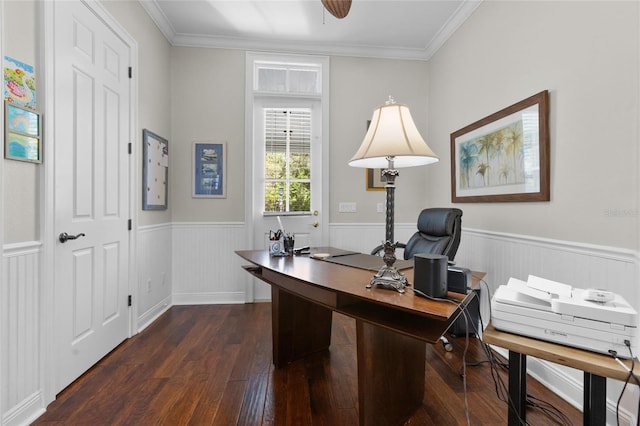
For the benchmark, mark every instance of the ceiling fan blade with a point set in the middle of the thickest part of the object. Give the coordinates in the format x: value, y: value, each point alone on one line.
x: 338, y: 8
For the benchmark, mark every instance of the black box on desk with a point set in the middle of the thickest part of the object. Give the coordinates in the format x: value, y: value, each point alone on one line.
x: 458, y: 279
x: 430, y: 275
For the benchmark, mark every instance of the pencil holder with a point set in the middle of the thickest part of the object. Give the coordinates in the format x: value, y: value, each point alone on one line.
x: 275, y: 247
x: 288, y: 245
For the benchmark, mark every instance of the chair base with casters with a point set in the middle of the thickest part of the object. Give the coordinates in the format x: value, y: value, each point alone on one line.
x: 446, y: 344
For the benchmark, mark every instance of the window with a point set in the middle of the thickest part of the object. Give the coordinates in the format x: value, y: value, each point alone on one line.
x: 287, y: 163
x: 287, y: 78
x: 287, y: 105
x: 284, y: 93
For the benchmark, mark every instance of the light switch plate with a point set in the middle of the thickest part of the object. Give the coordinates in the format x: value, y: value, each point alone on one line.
x: 347, y: 207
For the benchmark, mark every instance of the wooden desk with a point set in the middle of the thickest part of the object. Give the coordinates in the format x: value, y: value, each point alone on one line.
x: 391, y: 328
x: 596, y: 367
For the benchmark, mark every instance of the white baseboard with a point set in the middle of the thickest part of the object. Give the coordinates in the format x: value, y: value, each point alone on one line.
x: 213, y: 298
x: 26, y: 412
x: 148, y: 317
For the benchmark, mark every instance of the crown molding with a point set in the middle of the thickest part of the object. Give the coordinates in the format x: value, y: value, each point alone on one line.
x: 189, y: 40
x: 465, y: 10
x: 157, y: 15
x: 456, y: 20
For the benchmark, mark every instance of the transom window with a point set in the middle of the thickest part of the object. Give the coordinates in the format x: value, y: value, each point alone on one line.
x: 270, y: 77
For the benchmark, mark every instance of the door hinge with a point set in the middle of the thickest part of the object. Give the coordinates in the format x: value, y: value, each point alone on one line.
x: 129, y: 299
x: 130, y: 148
x: 130, y: 72
x: 129, y: 225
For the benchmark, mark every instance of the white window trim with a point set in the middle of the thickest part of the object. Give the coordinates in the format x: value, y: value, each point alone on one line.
x: 250, y: 95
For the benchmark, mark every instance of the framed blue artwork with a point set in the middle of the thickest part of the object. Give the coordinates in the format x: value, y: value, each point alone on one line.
x: 22, y: 134
x: 209, y: 170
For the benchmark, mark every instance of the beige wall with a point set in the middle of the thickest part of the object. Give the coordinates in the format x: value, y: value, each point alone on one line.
x: 358, y: 86
x: 586, y: 55
x: 207, y: 105
x: 21, y: 179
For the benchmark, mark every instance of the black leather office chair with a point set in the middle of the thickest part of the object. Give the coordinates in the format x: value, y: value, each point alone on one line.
x: 438, y: 232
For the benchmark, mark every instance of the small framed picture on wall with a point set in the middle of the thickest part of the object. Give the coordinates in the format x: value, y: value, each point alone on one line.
x: 209, y: 178
x: 155, y: 171
x: 22, y: 139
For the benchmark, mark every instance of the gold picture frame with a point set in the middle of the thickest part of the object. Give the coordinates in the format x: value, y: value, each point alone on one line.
x: 375, y: 180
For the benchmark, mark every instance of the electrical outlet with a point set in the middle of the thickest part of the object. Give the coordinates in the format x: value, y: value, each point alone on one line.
x: 380, y: 207
x: 347, y: 208
x: 149, y: 285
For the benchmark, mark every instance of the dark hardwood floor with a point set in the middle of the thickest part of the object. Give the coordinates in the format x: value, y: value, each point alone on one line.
x: 211, y: 365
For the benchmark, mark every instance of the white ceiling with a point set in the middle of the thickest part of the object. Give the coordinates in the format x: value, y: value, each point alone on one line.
x: 408, y: 29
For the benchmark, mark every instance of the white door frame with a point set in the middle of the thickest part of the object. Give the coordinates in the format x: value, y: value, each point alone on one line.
x: 47, y: 350
x: 2, y: 318
x: 249, y: 162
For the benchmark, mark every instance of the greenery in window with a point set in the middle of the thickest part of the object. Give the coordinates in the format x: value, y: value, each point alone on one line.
x: 299, y: 185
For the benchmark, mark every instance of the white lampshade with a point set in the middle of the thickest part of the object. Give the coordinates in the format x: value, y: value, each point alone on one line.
x: 392, y: 133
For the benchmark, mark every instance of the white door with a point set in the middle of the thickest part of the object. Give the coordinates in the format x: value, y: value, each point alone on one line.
x: 92, y: 180
x: 305, y: 227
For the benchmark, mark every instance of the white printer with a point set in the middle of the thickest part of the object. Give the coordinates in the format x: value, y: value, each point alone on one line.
x: 594, y: 320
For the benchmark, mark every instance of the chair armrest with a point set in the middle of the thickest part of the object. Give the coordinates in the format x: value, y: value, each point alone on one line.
x: 380, y: 249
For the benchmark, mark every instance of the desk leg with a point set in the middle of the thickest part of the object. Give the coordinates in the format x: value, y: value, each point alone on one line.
x: 299, y: 327
x: 517, y: 388
x: 595, y: 400
x: 391, y: 369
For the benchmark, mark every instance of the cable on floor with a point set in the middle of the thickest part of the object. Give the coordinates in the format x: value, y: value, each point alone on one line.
x: 502, y: 391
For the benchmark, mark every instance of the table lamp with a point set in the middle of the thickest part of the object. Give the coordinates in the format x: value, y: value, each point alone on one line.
x: 392, y: 141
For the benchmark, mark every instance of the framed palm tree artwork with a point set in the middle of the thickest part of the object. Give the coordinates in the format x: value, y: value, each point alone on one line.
x: 504, y: 156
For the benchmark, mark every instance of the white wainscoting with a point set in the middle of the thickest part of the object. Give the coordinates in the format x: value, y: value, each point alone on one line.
x: 195, y: 263
x: 153, y: 293
x: 503, y: 256
x: 580, y: 265
x: 206, y: 268
x: 365, y: 237
x: 20, y: 334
